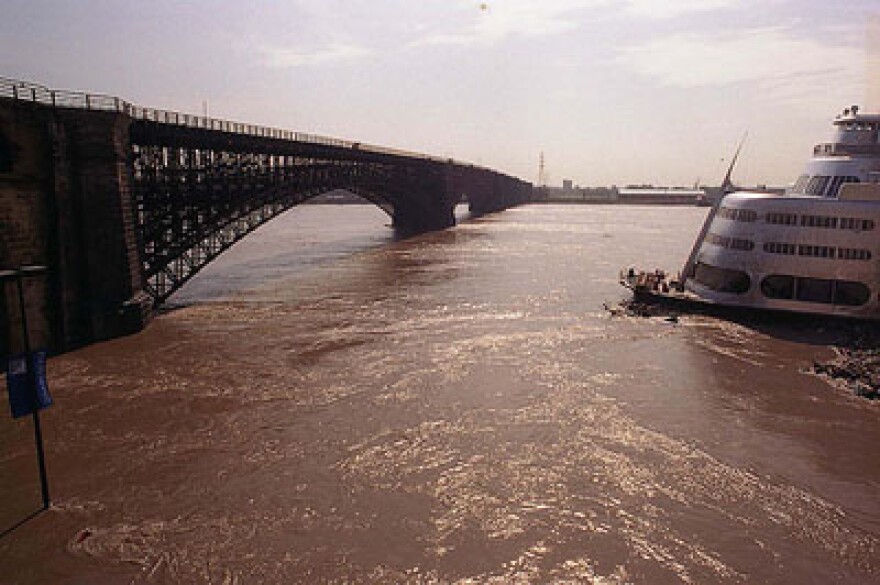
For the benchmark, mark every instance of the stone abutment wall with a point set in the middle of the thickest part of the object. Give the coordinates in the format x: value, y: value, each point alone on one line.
x: 65, y: 203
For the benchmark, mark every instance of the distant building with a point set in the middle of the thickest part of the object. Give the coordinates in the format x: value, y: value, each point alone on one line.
x: 660, y: 196
x: 566, y: 184
x: 575, y: 194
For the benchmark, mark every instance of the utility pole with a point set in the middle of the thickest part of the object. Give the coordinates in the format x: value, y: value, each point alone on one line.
x: 541, y: 177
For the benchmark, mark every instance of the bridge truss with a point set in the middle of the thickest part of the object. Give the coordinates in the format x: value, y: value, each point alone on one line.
x: 197, y: 191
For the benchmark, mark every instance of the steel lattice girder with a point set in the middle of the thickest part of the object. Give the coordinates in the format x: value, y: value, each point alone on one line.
x: 197, y: 191
x: 195, y: 196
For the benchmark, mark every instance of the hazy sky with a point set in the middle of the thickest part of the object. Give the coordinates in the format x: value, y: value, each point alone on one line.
x: 612, y: 91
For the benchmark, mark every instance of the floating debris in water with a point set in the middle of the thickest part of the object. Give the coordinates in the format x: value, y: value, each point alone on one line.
x: 857, y: 363
x: 633, y: 308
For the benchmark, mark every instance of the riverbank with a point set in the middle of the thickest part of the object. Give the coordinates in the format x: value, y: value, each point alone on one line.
x: 856, y: 364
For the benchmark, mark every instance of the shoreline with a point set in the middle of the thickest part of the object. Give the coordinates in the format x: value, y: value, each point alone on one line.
x: 856, y: 365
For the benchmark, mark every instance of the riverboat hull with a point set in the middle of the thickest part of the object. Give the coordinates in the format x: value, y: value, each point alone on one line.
x: 673, y: 301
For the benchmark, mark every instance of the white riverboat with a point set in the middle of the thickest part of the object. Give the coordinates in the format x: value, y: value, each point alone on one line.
x: 814, y: 249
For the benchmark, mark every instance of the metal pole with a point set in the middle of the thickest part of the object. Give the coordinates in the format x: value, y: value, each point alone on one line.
x: 726, y: 187
x: 32, y: 386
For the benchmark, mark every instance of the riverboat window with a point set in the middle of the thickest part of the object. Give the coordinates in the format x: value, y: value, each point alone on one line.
x: 817, y: 251
x: 778, y: 286
x: 738, y: 214
x: 814, y: 290
x: 851, y: 294
x: 816, y: 185
x: 722, y: 279
x: 853, y: 254
x: 741, y: 244
x: 856, y: 223
x: 780, y: 248
x: 716, y: 240
x: 820, y: 221
x: 837, y: 183
x: 782, y: 218
x: 801, y: 184
x: 731, y: 243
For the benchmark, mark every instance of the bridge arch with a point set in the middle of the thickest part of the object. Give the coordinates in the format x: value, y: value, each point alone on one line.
x: 193, y: 206
x: 198, y: 190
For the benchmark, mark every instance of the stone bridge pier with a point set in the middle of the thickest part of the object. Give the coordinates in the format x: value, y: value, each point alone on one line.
x: 65, y: 202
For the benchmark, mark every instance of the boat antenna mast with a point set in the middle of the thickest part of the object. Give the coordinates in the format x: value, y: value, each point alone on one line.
x: 726, y: 187
x: 727, y: 184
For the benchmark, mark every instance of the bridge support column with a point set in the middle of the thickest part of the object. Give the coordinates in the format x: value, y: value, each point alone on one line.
x: 108, y: 261
x: 425, y: 203
x: 65, y: 201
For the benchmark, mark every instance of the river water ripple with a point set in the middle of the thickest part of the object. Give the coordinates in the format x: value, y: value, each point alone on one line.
x: 456, y: 407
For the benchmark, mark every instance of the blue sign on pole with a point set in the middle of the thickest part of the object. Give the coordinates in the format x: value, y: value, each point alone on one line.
x: 24, y: 399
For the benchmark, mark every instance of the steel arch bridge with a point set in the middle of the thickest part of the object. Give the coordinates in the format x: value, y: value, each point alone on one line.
x: 197, y: 191
x: 125, y: 204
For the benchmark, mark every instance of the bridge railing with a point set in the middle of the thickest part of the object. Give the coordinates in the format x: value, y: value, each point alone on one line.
x: 32, y: 92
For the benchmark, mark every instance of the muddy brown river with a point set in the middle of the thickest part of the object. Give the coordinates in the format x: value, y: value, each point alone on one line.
x: 326, y: 404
